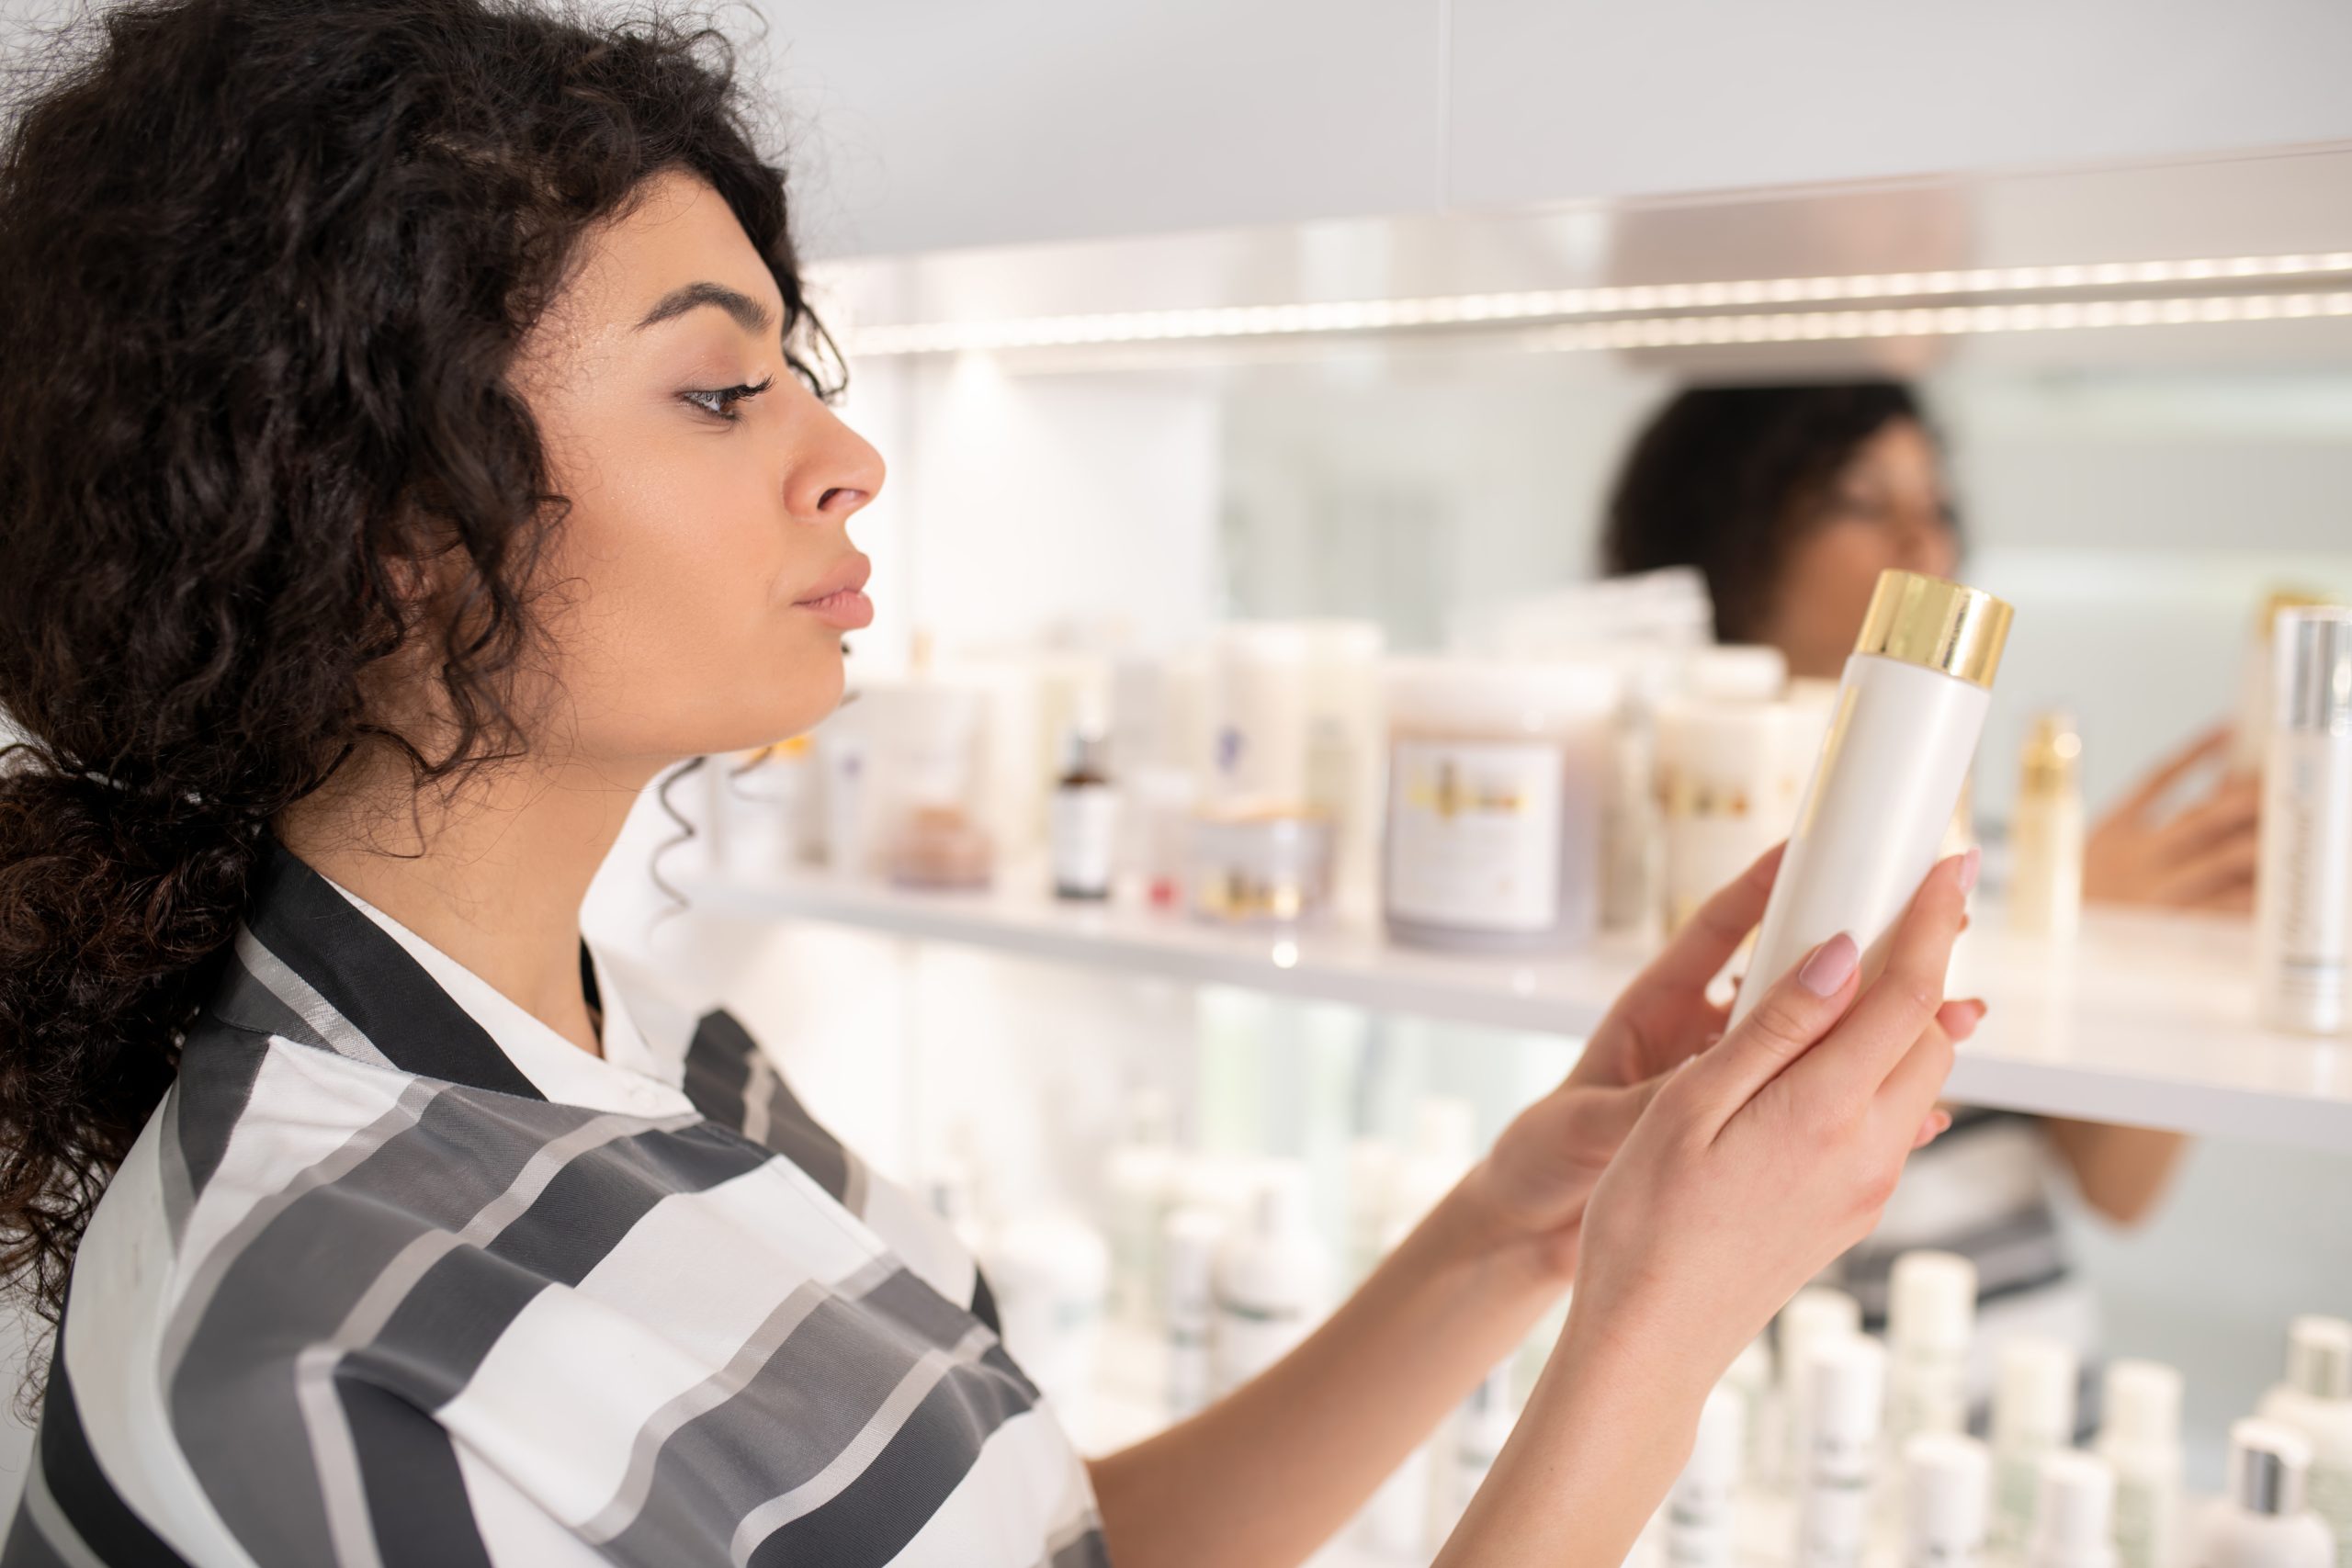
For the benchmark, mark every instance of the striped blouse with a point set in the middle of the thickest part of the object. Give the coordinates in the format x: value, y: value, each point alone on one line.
x: 396, y: 1275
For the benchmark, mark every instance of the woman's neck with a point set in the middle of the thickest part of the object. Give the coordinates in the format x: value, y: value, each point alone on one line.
x: 494, y: 879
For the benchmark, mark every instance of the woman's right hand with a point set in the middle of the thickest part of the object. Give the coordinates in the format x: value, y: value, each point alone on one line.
x: 1774, y: 1150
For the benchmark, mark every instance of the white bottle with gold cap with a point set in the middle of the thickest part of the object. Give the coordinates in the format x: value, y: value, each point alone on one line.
x: 2046, y: 831
x: 1909, y: 710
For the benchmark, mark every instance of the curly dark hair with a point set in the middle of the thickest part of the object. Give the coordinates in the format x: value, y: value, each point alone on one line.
x: 1723, y: 478
x: 268, y: 264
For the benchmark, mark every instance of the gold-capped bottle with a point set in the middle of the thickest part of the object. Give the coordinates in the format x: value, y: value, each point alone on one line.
x: 2046, y: 831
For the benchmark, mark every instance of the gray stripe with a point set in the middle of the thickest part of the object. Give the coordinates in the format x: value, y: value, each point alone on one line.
x: 179, y: 1189
x: 243, y: 1000
x: 645, y: 1450
x: 335, y: 1457
x: 850, y: 1461
x: 854, y: 1183
x: 56, y: 1531
x: 1077, y: 1544
x: 327, y: 1026
x: 273, y: 1452
x: 801, y: 1409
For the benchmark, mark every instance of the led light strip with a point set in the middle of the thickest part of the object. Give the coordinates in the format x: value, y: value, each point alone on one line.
x: 1460, y: 310
x: 1811, y: 326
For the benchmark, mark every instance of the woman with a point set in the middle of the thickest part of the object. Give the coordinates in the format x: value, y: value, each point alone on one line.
x: 411, y: 442
x: 1792, y: 500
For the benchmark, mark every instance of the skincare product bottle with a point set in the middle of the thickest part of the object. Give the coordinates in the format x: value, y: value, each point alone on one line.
x: 1909, y: 711
x: 1751, y: 1376
x: 1140, y: 1174
x: 1189, y: 1243
x: 1270, y: 1278
x: 2074, y: 1512
x: 1701, y: 1525
x: 1844, y: 1383
x: 1496, y: 773
x: 2139, y: 1436
x: 2033, y: 1413
x: 1051, y: 1274
x: 2260, y: 1520
x: 2046, y: 831
x: 1082, y: 828
x: 1728, y: 775
x: 1947, y: 1494
x: 2316, y: 1401
x: 1931, y: 1313
x: 2250, y: 736
x: 1814, y: 1316
x: 2303, y: 884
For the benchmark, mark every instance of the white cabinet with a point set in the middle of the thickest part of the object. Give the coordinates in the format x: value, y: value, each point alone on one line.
x: 931, y: 123
x: 1550, y: 101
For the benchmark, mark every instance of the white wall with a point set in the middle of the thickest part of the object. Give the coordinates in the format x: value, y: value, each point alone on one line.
x: 926, y: 124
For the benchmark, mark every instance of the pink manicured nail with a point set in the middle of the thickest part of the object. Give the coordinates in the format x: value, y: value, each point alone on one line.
x: 1969, y: 863
x: 1831, y: 966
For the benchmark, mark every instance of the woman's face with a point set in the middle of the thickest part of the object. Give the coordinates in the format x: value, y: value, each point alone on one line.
x: 1887, y: 508
x: 705, y: 573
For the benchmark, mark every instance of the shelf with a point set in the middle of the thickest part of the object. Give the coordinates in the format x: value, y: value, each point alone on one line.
x: 2146, y: 1019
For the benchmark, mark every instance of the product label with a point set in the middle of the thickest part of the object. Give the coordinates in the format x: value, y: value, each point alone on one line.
x: 2331, y: 1499
x: 2306, y: 851
x: 1084, y: 830
x: 1473, y: 834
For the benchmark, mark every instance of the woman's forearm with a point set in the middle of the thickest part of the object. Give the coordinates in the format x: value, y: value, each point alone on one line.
x: 1601, y: 1441
x: 1265, y: 1475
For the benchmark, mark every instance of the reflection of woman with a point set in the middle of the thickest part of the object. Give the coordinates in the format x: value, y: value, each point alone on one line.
x: 397, y: 477
x: 1792, y: 500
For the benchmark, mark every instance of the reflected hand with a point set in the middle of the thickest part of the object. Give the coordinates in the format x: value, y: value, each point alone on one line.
x: 2199, y: 855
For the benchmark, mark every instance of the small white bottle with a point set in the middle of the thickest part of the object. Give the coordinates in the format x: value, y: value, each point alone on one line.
x: 1910, y: 709
x: 2316, y: 1401
x: 1930, y: 1317
x: 1270, y: 1278
x: 1818, y: 1314
x: 1751, y: 1375
x: 1083, y: 824
x: 1189, y: 1243
x: 2139, y: 1436
x: 2045, y: 896
x: 2304, y: 889
x: 1844, y: 1386
x: 1051, y: 1273
x: 2033, y: 1413
x: 2260, y: 1521
x: 1140, y: 1173
x: 1701, y: 1522
x: 2074, y: 1513
x: 1947, y: 1497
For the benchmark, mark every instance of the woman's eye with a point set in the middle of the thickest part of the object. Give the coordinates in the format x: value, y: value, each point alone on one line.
x: 721, y: 400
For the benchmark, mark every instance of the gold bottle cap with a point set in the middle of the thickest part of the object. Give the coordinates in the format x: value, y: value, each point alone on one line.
x: 1926, y: 621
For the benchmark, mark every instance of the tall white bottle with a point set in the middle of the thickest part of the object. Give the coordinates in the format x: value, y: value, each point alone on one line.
x: 2261, y: 1521
x: 1189, y: 1242
x: 2303, y: 886
x: 2045, y: 896
x: 2074, y: 1517
x: 1270, y: 1280
x: 2316, y: 1401
x: 2034, y: 1414
x: 1818, y: 1314
x: 2138, y: 1435
x: 1930, y: 1316
x: 1844, y: 1390
x: 1947, y: 1500
x: 1909, y: 710
x: 1701, y: 1527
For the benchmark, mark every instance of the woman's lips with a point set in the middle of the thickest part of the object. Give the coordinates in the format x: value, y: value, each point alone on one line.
x: 845, y: 609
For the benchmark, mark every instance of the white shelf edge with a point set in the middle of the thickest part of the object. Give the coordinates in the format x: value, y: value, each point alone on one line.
x: 2142, y: 1027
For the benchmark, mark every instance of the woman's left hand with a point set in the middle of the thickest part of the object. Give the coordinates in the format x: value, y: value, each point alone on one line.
x: 1529, y: 1193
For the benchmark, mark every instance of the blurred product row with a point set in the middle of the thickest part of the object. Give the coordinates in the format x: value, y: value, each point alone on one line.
x: 1602, y: 768
x: 1924, y: 1434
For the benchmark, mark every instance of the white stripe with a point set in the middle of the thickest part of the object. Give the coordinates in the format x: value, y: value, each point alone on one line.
x: 559, y: 1399
x: 861, y: 1450
x: 41, y: 1508
x: 335, y: 1457
x: 313, y: 1008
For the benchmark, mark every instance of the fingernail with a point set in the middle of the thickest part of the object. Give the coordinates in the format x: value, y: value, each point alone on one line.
x: 1832, y: 964
x: 1968, y: 866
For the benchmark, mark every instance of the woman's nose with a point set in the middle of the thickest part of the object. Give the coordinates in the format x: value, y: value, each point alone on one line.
x: 841, y: 472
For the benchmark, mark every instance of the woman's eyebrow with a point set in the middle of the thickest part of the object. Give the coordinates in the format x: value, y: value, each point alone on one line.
x: 749, y: 314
